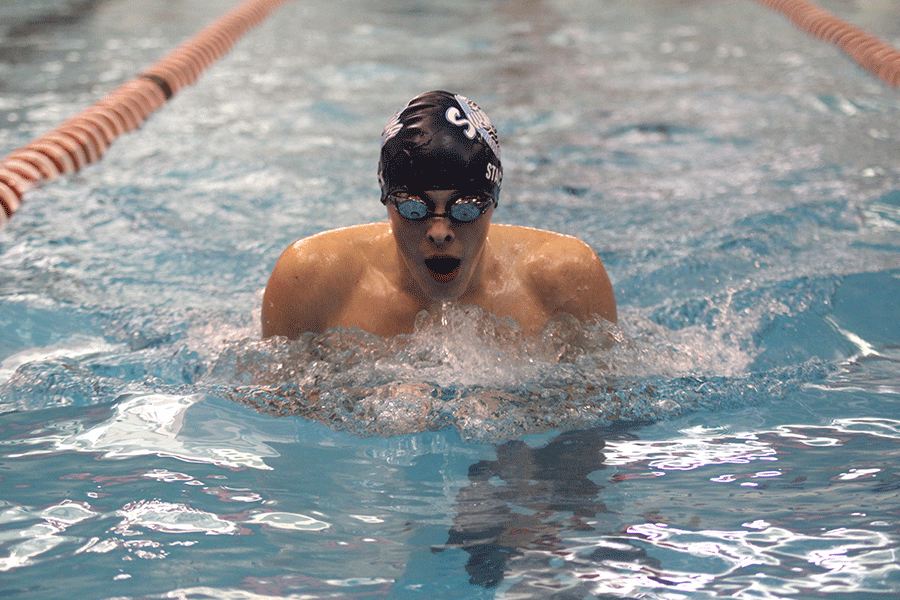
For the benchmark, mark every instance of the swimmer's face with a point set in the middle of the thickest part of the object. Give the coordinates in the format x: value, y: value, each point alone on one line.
x: 441, y: 256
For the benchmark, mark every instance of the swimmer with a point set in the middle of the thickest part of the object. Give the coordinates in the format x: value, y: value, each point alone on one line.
x: 440, y: 176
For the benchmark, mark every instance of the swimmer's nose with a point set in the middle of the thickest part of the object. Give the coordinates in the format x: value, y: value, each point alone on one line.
x: 439, y: 232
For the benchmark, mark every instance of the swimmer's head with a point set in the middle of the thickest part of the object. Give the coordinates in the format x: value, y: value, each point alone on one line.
x: 440, y: 141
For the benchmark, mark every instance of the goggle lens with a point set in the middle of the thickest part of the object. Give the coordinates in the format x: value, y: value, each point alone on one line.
x: 464, y: 210
x: 467, y: 211
x: 412, y: 209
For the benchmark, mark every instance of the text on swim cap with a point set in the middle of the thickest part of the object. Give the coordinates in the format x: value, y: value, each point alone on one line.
x: 453, y: 115
x: 475, y: 116
x: 493, y: 173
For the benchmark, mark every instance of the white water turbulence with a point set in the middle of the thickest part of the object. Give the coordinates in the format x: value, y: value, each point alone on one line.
x: 470, y: 370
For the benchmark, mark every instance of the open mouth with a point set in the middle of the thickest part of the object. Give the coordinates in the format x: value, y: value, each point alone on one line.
x: 443, y: 268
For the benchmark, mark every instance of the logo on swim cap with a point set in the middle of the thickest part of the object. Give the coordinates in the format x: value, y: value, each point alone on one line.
x: 479, y: 121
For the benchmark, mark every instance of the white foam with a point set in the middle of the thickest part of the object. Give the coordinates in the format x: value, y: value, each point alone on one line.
x: 78, y: 346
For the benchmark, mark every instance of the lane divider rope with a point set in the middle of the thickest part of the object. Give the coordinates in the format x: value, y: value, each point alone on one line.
x: 84, y: 138
x: 874, y: 55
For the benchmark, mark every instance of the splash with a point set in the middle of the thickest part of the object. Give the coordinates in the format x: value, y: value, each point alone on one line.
x: 484, y: 376
x: 459, y: 368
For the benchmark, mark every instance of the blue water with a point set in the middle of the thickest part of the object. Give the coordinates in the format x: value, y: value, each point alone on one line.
x: 741, y: 439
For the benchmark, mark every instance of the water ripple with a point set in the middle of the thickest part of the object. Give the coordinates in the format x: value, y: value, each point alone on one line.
x: 168, y: 517
x: 153, y: 424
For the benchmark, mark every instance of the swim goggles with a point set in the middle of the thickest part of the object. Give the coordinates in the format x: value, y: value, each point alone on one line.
x: 462, y: 210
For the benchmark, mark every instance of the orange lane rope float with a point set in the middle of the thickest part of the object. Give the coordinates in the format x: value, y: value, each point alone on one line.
x: 84, y: 138
x: 874, y: 55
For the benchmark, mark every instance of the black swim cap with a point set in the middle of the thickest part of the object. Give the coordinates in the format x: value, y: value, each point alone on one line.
x: 440, y: 141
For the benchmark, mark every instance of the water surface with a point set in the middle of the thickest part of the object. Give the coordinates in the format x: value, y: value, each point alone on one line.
x: 740, y: 439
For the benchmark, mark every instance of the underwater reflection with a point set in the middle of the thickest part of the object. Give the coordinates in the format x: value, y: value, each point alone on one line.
x: 799, y: 510
x: 524, y: 498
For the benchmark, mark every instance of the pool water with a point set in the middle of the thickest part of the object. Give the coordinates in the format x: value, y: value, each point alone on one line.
x: 741, y: 438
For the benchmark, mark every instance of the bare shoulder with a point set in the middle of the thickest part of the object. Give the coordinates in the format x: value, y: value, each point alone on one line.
x: 313, y: 274
x: 333, y: 254
x: 512, y: 234
x: 340, y: 239
x: 563, y: 271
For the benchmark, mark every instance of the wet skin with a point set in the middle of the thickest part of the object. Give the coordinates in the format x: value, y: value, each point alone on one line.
x: 377, y: 277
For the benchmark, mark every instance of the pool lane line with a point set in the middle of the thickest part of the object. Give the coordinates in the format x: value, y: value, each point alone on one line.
x: 82, y: 139
x: 874, y: 55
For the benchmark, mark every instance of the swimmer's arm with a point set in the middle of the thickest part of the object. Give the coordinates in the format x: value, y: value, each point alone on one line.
x: 302, y: 293
x: 575, y: 282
